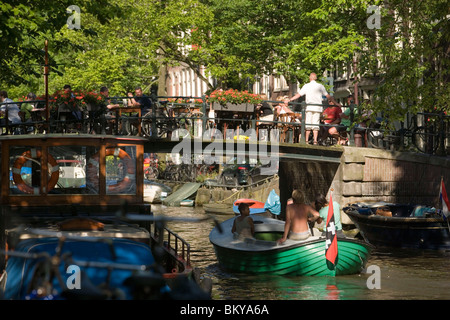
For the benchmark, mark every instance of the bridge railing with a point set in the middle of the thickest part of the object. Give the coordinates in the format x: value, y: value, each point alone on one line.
x: 192, y: 114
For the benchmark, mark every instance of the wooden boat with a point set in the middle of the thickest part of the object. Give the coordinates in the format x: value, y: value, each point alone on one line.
x: 255, y: 206
x: 218, y: 208
x: 46, y: 226
x: 400, y: 225
x: 155, y: 192
x: 262, y: 255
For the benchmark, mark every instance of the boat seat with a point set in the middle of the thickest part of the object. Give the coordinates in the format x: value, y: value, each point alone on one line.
x: 258, y: 242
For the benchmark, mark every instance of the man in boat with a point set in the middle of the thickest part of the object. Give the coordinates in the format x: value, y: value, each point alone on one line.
x: 297, y: 216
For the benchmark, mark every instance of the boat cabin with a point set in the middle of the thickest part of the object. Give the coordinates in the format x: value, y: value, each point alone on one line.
x: 78, y: 188
x: 103, y: 171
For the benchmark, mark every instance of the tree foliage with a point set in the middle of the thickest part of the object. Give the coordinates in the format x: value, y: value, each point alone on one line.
x: 25, y: 25
x: 123, y: 44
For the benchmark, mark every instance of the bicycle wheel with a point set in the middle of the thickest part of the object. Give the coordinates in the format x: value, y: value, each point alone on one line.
x: 146, y: 125
x: 375, y: 139
x: 426, y: 139
x: 130, y: 127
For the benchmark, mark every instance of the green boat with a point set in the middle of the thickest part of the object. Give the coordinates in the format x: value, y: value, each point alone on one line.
x: 263, y: 255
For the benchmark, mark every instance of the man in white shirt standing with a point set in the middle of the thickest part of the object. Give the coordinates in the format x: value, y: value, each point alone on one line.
x: 314, y: 92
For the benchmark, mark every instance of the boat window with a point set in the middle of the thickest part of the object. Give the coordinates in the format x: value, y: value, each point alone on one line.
x: 25, y: 170
x: 73, y: 163
x: 121, y: 170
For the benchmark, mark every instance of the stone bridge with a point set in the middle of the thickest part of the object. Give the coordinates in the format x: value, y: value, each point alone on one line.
x: 354, y: 174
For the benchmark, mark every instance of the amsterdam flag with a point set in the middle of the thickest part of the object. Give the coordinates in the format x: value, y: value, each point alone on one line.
x: 331, y: 248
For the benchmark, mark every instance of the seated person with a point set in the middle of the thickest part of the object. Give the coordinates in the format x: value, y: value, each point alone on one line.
x: 264, y: 110
x: 13, y: 109
x: 321, y: 204
x: 105, y: 114
x: 140, y: 100
x: 283, y: 108
x: 331, y: 117
x: 347, y: 119
x: 297, y: 216
x: 243, y: 226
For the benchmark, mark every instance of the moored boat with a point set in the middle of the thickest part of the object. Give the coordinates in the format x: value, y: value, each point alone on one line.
x: 263, y: 255
x: 187, y: 203
x: 155, y: 192
x: 218, y: 208
x: 47, y: 226
x: 254, y: 205
x: 400, y: 225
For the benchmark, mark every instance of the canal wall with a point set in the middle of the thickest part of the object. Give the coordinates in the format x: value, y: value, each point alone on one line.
x: 365, y: 174
x: 380, y: 175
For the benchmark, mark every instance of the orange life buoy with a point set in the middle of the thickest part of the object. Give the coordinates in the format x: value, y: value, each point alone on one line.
x: 21, y: 160
x: 92, y: 170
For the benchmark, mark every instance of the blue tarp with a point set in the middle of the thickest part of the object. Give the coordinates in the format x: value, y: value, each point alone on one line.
x: 20, y: 270
x: 273, y: 203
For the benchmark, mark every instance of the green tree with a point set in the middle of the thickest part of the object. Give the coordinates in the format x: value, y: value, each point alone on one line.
x: 120, y: 55
x: 25, y: 25
x: 409, y: 52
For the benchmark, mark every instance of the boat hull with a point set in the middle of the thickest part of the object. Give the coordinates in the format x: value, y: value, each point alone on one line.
x: 401, y: 232
x: 218, y: 208
x: 302, y: 258
x: 416, y: 233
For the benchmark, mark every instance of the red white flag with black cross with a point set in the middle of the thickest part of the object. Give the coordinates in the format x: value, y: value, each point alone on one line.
x: 331, y: 248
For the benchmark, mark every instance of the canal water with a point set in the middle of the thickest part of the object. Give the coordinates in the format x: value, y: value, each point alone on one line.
x: 403, y: 274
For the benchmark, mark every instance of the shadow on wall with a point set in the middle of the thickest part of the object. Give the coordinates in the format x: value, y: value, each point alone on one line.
x: 310, y: 177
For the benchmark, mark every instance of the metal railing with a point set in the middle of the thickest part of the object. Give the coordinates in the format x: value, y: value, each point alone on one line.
x: 167, y: 117
x: 174, y: 242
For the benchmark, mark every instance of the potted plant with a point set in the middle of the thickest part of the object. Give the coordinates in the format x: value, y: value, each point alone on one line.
x: 90, y: 99
x: 64, y: 100
x: 233, y: 100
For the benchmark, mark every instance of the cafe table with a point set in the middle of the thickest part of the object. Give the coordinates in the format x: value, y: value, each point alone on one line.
x: 119, y: 110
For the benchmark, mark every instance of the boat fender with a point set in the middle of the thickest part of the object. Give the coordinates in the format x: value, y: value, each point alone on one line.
x: 384, y: 211
x: 53, y: 168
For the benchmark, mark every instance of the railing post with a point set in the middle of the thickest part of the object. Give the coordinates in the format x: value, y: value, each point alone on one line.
x: 204, y: 114
x: 154, y: 127
x: 303, y: 129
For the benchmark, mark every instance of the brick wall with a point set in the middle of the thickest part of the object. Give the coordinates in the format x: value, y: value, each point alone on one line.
x: 373, y: 175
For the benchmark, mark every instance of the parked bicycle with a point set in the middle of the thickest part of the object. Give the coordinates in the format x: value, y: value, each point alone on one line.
x: 399, y: 138
x: 159, y: 122
x: 431, y: 137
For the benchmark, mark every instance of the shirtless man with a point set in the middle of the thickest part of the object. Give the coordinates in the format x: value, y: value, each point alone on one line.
x: 297, y: 216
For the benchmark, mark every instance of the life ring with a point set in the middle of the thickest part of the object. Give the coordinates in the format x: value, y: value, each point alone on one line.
x: 124, y: 184
x: 29, y: 155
